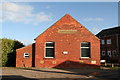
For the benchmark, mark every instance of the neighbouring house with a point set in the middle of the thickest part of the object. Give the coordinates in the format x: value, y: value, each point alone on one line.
x: 110, y: 43
x: 66, y: 44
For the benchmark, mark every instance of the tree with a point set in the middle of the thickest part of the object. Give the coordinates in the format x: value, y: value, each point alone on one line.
x: 8, y: 51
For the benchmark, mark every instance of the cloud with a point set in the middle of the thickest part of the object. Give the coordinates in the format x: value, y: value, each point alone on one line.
x: 93, y: 19
x: 41, y: 17
x: 21, y: 13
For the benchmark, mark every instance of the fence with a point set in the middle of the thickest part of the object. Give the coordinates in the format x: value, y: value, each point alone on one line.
x: 110, y: 64
x: 106, y: 64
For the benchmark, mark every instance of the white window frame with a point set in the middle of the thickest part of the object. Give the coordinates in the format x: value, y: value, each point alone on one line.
x: 45, y: 50
x: 109, y: 41
x: 83, y: 47
x: 103, y: 52
x: 114, y: 52
x: 102, y: 42
x: 26, y: 56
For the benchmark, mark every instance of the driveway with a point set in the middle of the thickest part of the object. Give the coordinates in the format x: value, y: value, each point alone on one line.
x: 59, y: 74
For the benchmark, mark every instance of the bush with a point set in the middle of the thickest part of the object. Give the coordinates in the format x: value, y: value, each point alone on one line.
x: 8, y: 51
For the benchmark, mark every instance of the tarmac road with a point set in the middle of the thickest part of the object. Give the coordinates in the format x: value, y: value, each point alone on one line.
x: 59, y: 74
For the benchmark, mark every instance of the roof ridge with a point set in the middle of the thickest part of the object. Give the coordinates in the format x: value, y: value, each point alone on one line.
x: 111, y: 28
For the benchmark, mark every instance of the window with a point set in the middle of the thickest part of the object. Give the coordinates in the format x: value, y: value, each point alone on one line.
x: 109, y: 53
x: 85, y: 49
x: 26, y: 55
x: 103, y: 53
x: 114, y: 52
x: 102, y: 41
x: 49, y: 49
x: 109, y: 41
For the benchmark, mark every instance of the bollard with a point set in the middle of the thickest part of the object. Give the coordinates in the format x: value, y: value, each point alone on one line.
x: 112, y: 65
x: 105, y: 64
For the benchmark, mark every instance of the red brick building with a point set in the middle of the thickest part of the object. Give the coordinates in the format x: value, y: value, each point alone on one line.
x: 110, y: 43
x: 66, y: 44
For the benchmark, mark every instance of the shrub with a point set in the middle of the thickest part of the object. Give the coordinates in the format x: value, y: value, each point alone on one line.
x: 8, y: 51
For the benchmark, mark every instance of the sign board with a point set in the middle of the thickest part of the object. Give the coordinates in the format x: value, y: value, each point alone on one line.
x: 41, y: 62
x: 53, y: 62
x: 81, y: 61
x: 65, y: 52
x: 67, y: 31
x: 93, y: 62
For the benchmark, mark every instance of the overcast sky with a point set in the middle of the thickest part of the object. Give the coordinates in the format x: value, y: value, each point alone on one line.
x: 24, y: 21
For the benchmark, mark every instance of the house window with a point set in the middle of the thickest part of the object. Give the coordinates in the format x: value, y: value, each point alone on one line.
x: 26, y: 55
x: 102, y: 41
x: 49, y: 49
x: 114, y: 52
x: 109, y: 53
x: 85, y: 50
x: 103, y: 53
x: 109, y: 41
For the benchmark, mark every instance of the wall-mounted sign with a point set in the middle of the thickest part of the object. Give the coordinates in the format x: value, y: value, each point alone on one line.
x: 67, y: 31
x: 53, y: 62
x: 65, y: 52
x: 41, y: 62
x: 81, y: 61
x: 93, y: 62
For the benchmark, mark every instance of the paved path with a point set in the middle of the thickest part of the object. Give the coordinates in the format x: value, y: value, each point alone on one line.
x: 58, y: 74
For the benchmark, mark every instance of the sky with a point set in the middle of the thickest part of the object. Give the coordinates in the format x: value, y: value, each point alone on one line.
x: 24, y: 21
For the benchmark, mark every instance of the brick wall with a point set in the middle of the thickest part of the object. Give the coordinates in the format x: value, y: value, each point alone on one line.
x: 114, y: 46
x: 66, y: 41
x: 25, y: 62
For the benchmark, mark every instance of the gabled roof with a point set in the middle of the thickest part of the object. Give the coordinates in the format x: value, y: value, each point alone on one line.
x: 110, y: 31
x: 65, y: 19
x: 66, y: 15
